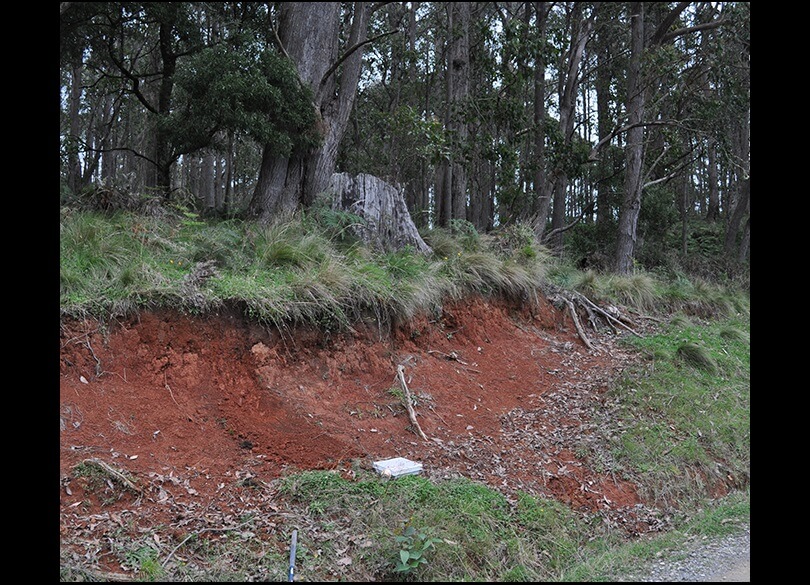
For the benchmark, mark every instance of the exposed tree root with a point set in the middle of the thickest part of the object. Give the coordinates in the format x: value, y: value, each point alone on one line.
x: 596, y: 314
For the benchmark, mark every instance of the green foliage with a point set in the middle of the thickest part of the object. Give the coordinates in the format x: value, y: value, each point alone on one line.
x: 466, y: 234
x: 590, y: 245
x: 518, y: 241
x: 335, y: 224
x: 244, y: 89
x: 145, y: 561
x: 413, y: 548
x: 658, y: 221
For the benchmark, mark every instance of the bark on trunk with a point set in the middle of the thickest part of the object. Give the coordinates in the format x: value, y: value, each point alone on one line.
x: 733, y: 229
x: 309, y: 34
x: 73, y: 164
x: 454, y: 189
x: 164, y: 158
x: 713, y: 213
x: 631, y: 204
x: 387, y: 224
x: 742, y: 256
x: 568, y: 84
x: 542, y: 182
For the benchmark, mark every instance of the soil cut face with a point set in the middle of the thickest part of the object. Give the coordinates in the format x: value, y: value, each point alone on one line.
x: 196, y: 408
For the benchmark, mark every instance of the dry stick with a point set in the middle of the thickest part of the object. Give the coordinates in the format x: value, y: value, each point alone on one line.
x: 607, y: 315
x: 109, y: 576
x: 115, y: 473
x: 576, y: 323
x: 98, y: 361
x: 408, y: 403
x: 169, y: 388
x: 199, y: 532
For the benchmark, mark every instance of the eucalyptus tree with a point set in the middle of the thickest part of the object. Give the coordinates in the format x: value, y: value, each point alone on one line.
x: 732, y: 79
x: 192, y: 71
x: 451, y: 193
x: 579, y: 29
x: 644, y: 39
x: 392, y: 132
x: 609, y: 56
x: 309, y: 34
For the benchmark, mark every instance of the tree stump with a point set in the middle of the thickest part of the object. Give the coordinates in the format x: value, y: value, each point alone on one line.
x: 387, y: 224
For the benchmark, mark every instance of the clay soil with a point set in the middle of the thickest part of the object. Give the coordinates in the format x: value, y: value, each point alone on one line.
x: 192, y: 410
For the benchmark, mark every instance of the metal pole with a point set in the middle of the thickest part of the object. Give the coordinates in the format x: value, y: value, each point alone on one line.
x: 291, y: 574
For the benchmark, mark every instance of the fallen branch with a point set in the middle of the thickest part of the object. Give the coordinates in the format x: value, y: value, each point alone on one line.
x: 586, y: 301
x: 115, y: 473
x: 570, y: 297
x: 408, y: 403
x: 106, y: 576
x: 581, y: 333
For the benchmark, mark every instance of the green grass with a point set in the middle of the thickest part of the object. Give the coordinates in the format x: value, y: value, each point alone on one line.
x: 478, y: 534
x: 676, y: 425
x: 304, y: 270
x: 688, y: 409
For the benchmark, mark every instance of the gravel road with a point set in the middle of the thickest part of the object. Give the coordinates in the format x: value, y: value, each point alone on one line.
x: 722, y: 559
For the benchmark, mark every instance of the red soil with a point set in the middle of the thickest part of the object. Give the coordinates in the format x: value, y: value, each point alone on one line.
x: 193, y: 407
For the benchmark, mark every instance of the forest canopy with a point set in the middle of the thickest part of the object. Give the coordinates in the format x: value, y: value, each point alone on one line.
x: 619, y: 131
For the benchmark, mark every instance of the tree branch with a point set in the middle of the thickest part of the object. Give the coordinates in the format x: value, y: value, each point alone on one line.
x: 594, y: 154
x: 409, y: 402
x: 377, y: 5
x: 669, y: 19
x: 119, y: 149
x: 348, y: 53
x: 588, y: 209
x: 690, y: 29
x: 135, y: 82
x: 674, y: 173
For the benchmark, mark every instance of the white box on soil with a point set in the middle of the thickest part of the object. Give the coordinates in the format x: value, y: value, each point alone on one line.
x: 398, y: 466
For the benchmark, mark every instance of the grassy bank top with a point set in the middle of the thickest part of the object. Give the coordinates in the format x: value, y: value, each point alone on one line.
x: 310, y: 269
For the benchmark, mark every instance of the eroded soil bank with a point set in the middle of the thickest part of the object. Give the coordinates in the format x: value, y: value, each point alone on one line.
x: 195, y: 410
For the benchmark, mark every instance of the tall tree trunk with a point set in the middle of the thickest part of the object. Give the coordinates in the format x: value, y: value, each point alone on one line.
x: 745, y: 244
x: 206, y: 195
x: 454, y: 184
x: 541, y: 183
x: 227, y: 203
x: 605, y: 199
x: 415, y: 181
x: 713, y: 210
x: 74, y: 168
x: 682, y: 201
x: 308, y: 32
x: 730, y: 246
x: 219, y: 173
x: 163, y: 157
x: 109, y: 157
x: 634, y: 151
x: 567, y: 90
x: 741, y: 139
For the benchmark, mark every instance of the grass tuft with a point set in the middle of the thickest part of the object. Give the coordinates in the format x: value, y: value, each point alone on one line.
x: 697, y: 357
